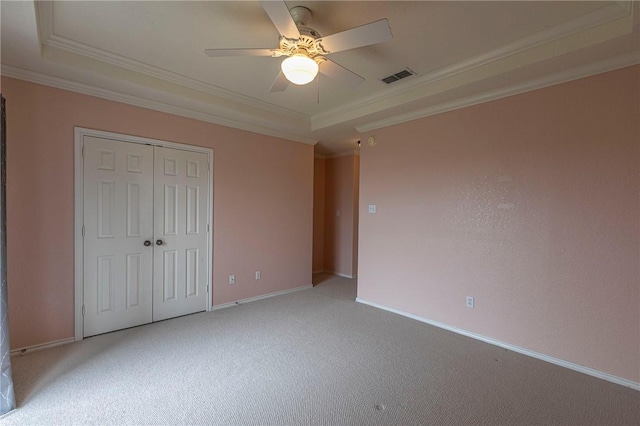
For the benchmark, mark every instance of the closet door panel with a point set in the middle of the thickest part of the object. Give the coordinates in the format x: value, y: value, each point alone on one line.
x: 180, y: 211
x: 118, y: 219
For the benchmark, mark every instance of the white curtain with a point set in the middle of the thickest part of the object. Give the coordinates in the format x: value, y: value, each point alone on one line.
x: 7, y: 397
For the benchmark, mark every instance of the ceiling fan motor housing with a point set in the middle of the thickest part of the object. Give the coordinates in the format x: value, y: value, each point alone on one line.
x: 301, y: 15
x: 306, y: 44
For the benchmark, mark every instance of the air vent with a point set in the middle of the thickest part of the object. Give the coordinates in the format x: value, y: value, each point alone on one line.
x: 398, y: 76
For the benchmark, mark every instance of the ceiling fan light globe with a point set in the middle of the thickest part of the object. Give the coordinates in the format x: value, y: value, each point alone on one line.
x: 299, y: 69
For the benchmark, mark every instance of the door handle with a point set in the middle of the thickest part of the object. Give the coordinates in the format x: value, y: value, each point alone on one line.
x: 147, y: 243
x: 159, y: 242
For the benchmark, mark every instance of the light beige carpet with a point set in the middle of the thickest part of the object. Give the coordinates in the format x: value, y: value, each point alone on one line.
x: 309, y: 357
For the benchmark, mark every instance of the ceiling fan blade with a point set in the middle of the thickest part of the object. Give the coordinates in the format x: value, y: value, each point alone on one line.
x: 340, y: 73
x: 280, y: 83
x: 281, y: 18
x: 365, y: 35
x: 242, y: 52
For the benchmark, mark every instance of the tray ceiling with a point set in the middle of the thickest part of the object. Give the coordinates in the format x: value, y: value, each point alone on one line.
x: 151, y: 54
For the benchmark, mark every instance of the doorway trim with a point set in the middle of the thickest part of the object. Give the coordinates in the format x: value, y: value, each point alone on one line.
x: 78, y: 182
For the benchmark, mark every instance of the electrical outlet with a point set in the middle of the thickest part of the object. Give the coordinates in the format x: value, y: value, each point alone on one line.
x: 372, y: 209
x: 258, y: 275
x: 232, y: 279
x: 469, y: 302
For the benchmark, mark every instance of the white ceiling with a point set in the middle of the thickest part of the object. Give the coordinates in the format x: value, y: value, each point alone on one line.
x: 151, y: 54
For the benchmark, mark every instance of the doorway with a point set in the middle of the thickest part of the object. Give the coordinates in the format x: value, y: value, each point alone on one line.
x: 335, y: 214
x: 143, y: 208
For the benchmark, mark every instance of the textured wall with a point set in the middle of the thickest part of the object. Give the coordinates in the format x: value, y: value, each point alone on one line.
x: 531, y: 205
x: 263, y: 203
x: 318, y: 213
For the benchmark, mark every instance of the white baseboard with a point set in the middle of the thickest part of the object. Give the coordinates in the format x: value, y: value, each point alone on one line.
x: 567, y: 364
x: 339, y: 274
x: 264, y: 296
x: 320, y: 271
x: 22, y: 351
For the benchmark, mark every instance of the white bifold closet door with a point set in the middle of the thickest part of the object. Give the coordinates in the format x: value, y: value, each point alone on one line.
x: 145, y: 239
x: 180, y: 221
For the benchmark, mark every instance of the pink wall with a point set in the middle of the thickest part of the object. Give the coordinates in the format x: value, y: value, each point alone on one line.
x: 318, y: 213
x: 263, y: 203
x: 531, y: 204
x: 339, y: 230
x: 356, y: 209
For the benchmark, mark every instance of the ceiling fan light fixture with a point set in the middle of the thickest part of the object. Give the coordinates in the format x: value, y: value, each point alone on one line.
x: 299, y: 69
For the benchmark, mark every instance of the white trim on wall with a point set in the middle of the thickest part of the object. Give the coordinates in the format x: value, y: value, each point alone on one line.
x: 50, y: 40
x: 263, y: 296
x: 78, y: 246
x: 557, y: 361
x: 338, y: 274
x: 33, y: 348
x: 216, y: 117
x: 580, y: 32
x: 515, y: 89
x: 611, y: 20
x: 79, y: 134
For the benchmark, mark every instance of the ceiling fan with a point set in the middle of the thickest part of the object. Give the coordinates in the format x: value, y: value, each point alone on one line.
x: 306, y: 50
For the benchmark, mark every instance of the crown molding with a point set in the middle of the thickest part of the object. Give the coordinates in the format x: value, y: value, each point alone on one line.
x: 560, y: 38
x: 50, y: 42
x: 546, y: 81
x: 602, y: 24
x: 60, y: 83
x: 241, y: 112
